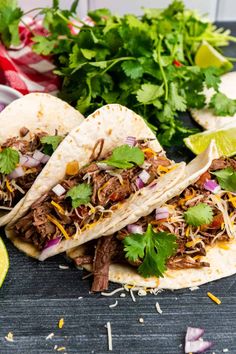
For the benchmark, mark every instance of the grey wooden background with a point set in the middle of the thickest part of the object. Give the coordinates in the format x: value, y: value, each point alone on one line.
x: 36, y: 295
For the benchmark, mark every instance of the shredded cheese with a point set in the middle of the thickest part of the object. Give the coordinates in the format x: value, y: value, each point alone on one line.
x: 60, y: 227
x: 72, y: 168
x: 141, y: 320
x: 109, y: 335
x: 188, y: 197
x: 60, y: 349
x: 194, y: 288
x: 214, y: 298
x: 132, y: 295
x: 162, y: 169
x: 63, y: 266
x: 59, y: 208
x: 113, y: 292
x: 9, y: 186
x: 61, y: 323
x: 232, y: 199
x: 192, y: 243
x: 159, y: 310
x: 187, y: 232
x: 50, y: 336
x: 149, y: 152
x: 9, y: 337
x: 113, y: 305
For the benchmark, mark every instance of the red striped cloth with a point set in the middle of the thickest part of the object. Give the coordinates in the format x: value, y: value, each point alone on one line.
x: 25, y: 70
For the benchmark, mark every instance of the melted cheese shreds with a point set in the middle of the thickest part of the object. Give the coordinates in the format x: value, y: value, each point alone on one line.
x: 109, y: 336
x: 9, y: 337
x: 113, y: 305
x: 214, y: 298
x: 50, y: 336
x: 61, y: 323
x: 159, y: 310
x: 60, y: 349
x: 132, y: 295
x: 113, y: 292
x: 59, y: 208
x: 9, y: 186
x: 60, y: 227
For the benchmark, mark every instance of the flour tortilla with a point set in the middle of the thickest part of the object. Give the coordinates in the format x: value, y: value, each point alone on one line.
x: 113, y: 123
x: 37, y: 112
x: 222, y: 261
x: 205, y: 117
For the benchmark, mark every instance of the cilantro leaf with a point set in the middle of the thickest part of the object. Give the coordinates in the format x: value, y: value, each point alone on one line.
x: 132, y: 69
x: 125, y: 157
x: 199, y: 214
x: 226, y: 179
x: 9, y: 158
x: 148, y: 93
x: 10, y: 16
x: 212, y: 77
x: 222, y: 105
x: 80, y: 194
x: 154, y: 248
x: 50, y: 143
x: 176, y: 101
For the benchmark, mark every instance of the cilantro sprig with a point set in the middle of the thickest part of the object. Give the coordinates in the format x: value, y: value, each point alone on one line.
x: 199, y: 214
x: 226, y: 179
x: 125, y: 157
x: 153, y: 248
x: 9, y: 158
x: 50, y: 143
x: 80, y: 194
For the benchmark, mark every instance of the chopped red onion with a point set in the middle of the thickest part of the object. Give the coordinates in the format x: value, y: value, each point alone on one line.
x: 49, y: 248
x: 18, y: 172
x: 135, y: 229
x: 59, y: 190
x: 197, y: 346
x: 193, y: 333
x: 28, y: 161
x: 2, y: 106
x: 162, y: 213
x: 130, y: 140
x: 38, y: 155
x: 45, y: 159
x: 145, y: 176
x: 212, y: 186
x: 139, y: 183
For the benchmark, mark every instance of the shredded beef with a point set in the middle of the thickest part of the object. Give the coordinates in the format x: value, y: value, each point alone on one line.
x: 84, y: 260
x: 23, y: 132
x: 114, y: 191
x: 185, y: 262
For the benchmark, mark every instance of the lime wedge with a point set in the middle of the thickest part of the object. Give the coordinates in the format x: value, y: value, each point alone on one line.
x: 208, y: 56
x: 225, y: 141
x: 4, y: 262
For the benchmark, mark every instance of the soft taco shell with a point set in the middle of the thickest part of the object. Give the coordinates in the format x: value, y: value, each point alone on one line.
x: 205, y: 117
x: 113, y: 123
x: 37, y: 112
x: 221, y: 259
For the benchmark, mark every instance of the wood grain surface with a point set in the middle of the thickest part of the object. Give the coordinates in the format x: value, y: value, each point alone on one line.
x: 36, y: 295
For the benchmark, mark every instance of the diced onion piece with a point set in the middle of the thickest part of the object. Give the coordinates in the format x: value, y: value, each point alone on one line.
x: 212, y: 186
x: 193, y: 333
x: 135, y: 229
x: 49, y: 248
x: 145, y: 176
x: 72, y: 168
x: 146, y: 165
x: 59, y: 190
x: 198, y: 346
x: 38, y: 155
x: 2, y: 106
x: 139, y: 183
x: 130, y: 140
x: 162, y: 213
x: 18, y: 172
x: 45, y: 159
x: 28, y: 161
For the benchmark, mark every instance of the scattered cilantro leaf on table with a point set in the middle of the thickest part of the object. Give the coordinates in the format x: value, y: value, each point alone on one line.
x: 50, y: 143
x: 125, y: 157
x: 153, y: 248
x: 199, y: 214
x: 80, y: 194
x: 9, y: 158
x: 226, y: 179
x: 222, y: 105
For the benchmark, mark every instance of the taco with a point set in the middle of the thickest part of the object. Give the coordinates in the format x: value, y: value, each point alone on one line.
x: 110, y: 163
x: 30, y: 129
x: 205, y: 116
x: 188, y: 240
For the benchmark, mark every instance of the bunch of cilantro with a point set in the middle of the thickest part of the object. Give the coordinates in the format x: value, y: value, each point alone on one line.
x: 145, y: 63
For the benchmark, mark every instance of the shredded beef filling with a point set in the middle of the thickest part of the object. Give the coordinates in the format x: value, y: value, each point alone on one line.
x: 19, y: 186
x: 187, y: 255
x: 109, y: 187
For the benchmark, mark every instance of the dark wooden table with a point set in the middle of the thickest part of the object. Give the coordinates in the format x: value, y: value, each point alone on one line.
x: 36, y: 295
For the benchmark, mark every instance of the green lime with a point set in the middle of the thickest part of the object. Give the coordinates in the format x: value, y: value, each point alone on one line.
x: 4, y: 262
x: 208, y: 56
x: 225, y: 141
